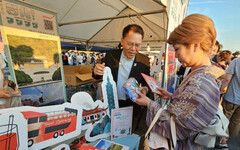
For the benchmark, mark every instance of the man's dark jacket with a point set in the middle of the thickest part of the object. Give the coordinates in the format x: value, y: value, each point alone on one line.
x: 140, y: 65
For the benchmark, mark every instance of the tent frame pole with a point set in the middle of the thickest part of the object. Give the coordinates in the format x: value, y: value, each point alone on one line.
x: 114, y: 17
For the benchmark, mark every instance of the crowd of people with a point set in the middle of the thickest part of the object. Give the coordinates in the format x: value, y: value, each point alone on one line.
x: 75, y: 58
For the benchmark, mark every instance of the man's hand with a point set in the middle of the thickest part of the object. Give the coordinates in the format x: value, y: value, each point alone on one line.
x: 99, y: 69
x: 143, y: 90
x: 5, y: 94
x: 142, y: 100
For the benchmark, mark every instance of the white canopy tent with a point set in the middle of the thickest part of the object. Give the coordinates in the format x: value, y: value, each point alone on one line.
x: 100, y: 22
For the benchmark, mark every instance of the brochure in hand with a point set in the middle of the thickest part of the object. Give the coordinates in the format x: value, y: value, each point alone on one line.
x: 131, y: 89
x: 151, y: 83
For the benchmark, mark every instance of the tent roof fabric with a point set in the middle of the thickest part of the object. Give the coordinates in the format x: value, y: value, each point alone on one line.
x: 107, y: 33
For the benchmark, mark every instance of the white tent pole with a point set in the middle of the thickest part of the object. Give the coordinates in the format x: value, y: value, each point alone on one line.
x: 114, y: 17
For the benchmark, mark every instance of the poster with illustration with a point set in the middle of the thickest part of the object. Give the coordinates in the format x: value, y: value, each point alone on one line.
x: 43, y: 95
x: 171, y: 72
x: 35, y: 61
x: 33, y: 47
x: 47, y: 126
x: 96, y: 116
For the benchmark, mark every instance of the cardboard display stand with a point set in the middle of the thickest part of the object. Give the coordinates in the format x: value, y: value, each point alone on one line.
x: 40, y: 127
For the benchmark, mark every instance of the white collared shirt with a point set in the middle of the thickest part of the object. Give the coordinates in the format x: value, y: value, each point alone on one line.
x: 124, y: 70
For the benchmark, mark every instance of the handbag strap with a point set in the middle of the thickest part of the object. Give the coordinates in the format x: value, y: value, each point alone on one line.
x: 173, y: 132
x: 154, y: 121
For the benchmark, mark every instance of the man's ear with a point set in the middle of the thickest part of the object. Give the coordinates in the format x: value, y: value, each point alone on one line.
x: 122, y: 41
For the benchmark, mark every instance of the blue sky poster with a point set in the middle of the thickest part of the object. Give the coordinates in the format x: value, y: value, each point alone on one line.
x: 42, y: 95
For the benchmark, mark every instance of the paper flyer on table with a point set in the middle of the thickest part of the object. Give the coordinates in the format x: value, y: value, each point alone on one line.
x: 121, y: 122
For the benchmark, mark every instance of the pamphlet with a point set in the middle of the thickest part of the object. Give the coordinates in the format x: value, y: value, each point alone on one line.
x: 109, y: 145
x: 131, y: 89
x: 151, y: 83
x: 121, y: 122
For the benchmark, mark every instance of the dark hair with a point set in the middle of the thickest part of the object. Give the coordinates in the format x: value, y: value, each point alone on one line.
x: 236, y: 53
x: 218, y: 45
x: 228, y: 52
x: 133, y: 27
x: 223, y: 56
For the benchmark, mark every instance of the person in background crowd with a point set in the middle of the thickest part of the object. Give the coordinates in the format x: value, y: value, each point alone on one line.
x: 229, y: 53
x: 125, y: 63
x: 231, y: 100
x: 191, y: 111
x: 80, y: 58
x: 222, y: 58
x: 215, y: 51
x: 70, y: 60
x: 235, y: 55
x: 75, y: 58
x: 64, y: 59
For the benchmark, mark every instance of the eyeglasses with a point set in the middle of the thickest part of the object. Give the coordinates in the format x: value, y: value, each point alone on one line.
x: 137, y: 45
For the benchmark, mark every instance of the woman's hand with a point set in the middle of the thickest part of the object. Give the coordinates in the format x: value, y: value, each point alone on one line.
x: 142, y: 99
x: 17, y: 91
x: 143, y: 90
x: 164, y: 94
x: 5, y: 94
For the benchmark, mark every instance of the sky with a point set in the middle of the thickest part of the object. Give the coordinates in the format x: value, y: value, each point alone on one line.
x: 226, y: 16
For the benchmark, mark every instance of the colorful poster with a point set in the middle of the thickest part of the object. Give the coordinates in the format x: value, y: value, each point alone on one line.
x: 121, y: 123
x: 42, y: 95
x: 33, y: 51
x: 35, y: 60
x: 171, y: 72
x: 177, y: 11
x: 42, y: 126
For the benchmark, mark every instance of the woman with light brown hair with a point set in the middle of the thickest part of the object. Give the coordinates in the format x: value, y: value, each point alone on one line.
x: 195, y: 102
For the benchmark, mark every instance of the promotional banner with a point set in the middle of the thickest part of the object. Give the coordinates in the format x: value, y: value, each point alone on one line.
x: 23, y: 17
x: 177, y: 11
x: 33, y: 52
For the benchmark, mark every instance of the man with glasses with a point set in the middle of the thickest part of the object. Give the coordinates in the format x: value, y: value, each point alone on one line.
x: 125, y: 63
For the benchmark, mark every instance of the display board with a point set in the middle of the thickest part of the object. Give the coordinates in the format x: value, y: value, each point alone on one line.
x: 39, y: 127
x: 177, y: 11
x: 32, y: 48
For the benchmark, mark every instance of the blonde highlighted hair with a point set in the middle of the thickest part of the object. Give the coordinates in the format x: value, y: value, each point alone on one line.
x: 195, y: 29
